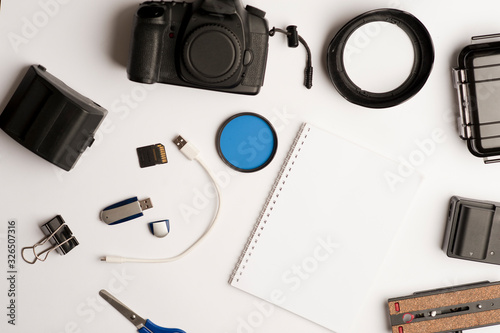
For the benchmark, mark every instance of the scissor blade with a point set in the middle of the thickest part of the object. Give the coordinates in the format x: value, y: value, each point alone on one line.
x: 133, y: 317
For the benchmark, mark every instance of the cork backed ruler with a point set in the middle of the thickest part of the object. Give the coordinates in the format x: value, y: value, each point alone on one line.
x: 447, y: 310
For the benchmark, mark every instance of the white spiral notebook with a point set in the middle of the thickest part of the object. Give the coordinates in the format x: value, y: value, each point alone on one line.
x: 324, y: 231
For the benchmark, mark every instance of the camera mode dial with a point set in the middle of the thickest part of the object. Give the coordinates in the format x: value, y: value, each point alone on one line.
x: 150, y: 12
x: 255, y: 11
x: 212, y: 53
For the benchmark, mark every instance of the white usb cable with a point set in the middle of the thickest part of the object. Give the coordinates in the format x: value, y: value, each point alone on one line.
x: 192, y: 153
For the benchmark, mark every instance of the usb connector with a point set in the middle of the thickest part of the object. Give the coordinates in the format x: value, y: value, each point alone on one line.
x: 180, y: 142
x: 189, y: 150
x: 146, y: 204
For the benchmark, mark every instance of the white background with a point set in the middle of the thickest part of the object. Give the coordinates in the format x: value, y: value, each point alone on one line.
x: 85, y: 44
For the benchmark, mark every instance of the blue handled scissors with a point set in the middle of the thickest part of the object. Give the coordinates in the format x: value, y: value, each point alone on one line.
x: 142, y: 325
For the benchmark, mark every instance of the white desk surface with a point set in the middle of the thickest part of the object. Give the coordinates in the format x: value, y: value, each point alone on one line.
x: 85, y: 44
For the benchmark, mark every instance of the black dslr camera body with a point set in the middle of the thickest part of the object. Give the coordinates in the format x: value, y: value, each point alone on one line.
x: 208, y: 44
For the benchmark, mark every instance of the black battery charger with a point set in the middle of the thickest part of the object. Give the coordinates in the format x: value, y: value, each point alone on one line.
x: 473, y: 230
x: 51, y: 119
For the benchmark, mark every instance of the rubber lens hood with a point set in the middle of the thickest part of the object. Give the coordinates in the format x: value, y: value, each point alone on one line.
x: 421, y: 69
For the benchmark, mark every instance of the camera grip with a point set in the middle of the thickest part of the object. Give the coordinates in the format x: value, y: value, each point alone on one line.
x: 257, y: 68
x: 145, y: 52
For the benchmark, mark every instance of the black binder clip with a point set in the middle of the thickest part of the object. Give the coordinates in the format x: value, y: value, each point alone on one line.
x: 58, y: 234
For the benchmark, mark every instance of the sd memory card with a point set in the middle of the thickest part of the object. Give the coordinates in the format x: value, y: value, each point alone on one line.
x: 152, y: 155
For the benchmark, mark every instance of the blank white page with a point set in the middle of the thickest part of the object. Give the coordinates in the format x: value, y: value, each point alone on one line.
x: 325, y: 230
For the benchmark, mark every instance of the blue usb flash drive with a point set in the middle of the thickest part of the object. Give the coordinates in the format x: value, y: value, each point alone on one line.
x: 125, y: 210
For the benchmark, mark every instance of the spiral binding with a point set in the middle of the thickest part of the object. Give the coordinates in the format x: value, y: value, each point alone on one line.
x: 268, y: 207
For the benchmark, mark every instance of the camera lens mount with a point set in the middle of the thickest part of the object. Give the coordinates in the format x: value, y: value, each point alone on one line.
x: 212, y: 53
x: 423, y: 59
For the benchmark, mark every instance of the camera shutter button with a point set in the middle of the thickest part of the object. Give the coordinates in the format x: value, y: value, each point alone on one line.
x: 247, y: 58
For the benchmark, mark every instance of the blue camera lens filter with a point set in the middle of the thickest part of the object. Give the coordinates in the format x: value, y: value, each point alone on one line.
x: 247, y: 142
